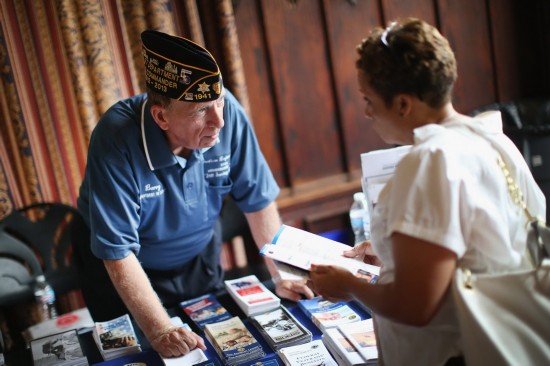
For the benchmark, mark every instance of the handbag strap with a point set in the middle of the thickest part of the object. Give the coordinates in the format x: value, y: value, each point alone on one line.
x: 513, y: 188
x: 538, y: 235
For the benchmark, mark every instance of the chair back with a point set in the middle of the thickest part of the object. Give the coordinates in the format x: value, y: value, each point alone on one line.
x: 18, y: 269
x: 49, y: 230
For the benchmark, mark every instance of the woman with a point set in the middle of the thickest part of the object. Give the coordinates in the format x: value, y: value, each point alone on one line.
x: 447, y: 205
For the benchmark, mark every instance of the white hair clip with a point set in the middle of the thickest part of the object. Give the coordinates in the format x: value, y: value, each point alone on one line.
x: 384, y: 36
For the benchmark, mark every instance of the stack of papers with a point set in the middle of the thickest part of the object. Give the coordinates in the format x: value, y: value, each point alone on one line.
x: 233, y: 341
x: 354, y: 342
x: 309, y: 354
x: 116, y: 337
x: 192, y: 358
x: 205, y: 310
x: 58, y: 349
x: 294, y: 251
x: 280, y: 328
x: 251, y: 295
x: 377, y: 168
x: 327, y: 314
x: 76, y: 319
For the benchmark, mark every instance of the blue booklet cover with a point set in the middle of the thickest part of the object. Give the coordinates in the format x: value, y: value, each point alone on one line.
x: 271, y: 360
x: 205, y: 310
x: 148, y: 357
x: 212, y: 362
x: 327, y: 314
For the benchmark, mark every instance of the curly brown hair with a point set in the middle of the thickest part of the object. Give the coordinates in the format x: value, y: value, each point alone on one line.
x: 410, y: 56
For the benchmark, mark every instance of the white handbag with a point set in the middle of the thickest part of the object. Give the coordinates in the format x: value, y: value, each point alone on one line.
x: 505, y: 318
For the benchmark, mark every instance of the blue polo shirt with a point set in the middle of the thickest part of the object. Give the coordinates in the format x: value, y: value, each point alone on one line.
x: 138, y: 196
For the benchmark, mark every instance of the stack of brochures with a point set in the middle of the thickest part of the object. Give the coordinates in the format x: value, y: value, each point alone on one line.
x: 233, y: 341
x: 313, y: 353
x: 280, y: 328
x: 194, y: 357
x: 353, y: 343
x: 76, y: 319
x: 327, y: 314
x: 58, y: 349
x: 116, y: 337
x: 251, y: 295
x: 205, y: 310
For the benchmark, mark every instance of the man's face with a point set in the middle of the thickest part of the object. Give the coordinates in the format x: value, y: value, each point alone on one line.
x: 192, y: 125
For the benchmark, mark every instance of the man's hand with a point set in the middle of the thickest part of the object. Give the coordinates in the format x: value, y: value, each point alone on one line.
x: 175, y: 342
x: 293, y: 290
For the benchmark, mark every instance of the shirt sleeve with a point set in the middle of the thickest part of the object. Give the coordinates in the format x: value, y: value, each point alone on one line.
x: 426, y: 200
x: 113, y: 192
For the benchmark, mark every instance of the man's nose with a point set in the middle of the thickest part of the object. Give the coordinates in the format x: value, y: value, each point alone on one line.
x: 216, y: 118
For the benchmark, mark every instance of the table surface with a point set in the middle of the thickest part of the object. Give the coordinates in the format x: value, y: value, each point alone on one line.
x: 21, y: 357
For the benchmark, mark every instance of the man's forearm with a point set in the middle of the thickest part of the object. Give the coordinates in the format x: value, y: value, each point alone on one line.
x: 134, y: 288
x: 264, y: 224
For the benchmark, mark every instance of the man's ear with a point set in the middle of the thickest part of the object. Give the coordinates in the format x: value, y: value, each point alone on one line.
x: 404, y: 104
x: 158, y: 113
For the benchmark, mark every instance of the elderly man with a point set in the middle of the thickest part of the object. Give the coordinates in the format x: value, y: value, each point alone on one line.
x: 159, y: 166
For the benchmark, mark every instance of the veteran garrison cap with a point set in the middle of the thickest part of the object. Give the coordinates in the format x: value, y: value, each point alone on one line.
x: 179, y: 68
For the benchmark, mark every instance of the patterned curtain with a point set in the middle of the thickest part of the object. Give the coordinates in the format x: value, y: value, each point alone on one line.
x: 63, y: 63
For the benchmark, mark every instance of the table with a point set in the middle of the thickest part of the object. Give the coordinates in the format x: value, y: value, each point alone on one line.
x: 22, y: 357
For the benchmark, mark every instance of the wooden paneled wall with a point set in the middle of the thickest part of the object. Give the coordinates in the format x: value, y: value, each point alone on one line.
x: 299, y: 56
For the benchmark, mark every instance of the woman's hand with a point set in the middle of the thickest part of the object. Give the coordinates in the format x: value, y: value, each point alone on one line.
x: 176, y: 341
x: 331, y: 282
x: 365, y: 251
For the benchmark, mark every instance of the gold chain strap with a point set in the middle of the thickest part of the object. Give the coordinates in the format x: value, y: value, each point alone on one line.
x: 514, y: 189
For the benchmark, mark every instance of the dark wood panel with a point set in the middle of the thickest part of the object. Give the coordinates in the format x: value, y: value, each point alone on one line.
x: 465, y: 24
x: 303, y: 89
x: 422, y: 9
x: 260, y: 89
x: 505, y: 36
x: 347, y: 24
x: 533, y: 53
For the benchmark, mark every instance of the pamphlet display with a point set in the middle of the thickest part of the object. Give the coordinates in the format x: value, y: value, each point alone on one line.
x: 251, y: 295
x: 313, y: 353
x: 58, y: 349
x: 116, y: 337
x: 233, y: 341
x: 205, y: 310
x: 327, y: 314
x: 280, y: 328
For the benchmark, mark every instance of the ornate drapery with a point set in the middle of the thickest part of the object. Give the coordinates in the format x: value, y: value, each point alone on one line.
x: 63, y: 63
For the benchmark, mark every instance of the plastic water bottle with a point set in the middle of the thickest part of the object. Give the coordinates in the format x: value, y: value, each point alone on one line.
x: 45, y: 296
x: 359, y: 218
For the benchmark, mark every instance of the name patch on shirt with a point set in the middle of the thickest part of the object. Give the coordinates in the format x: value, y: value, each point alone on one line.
x: 152, y: 191
x: 217, y: 167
